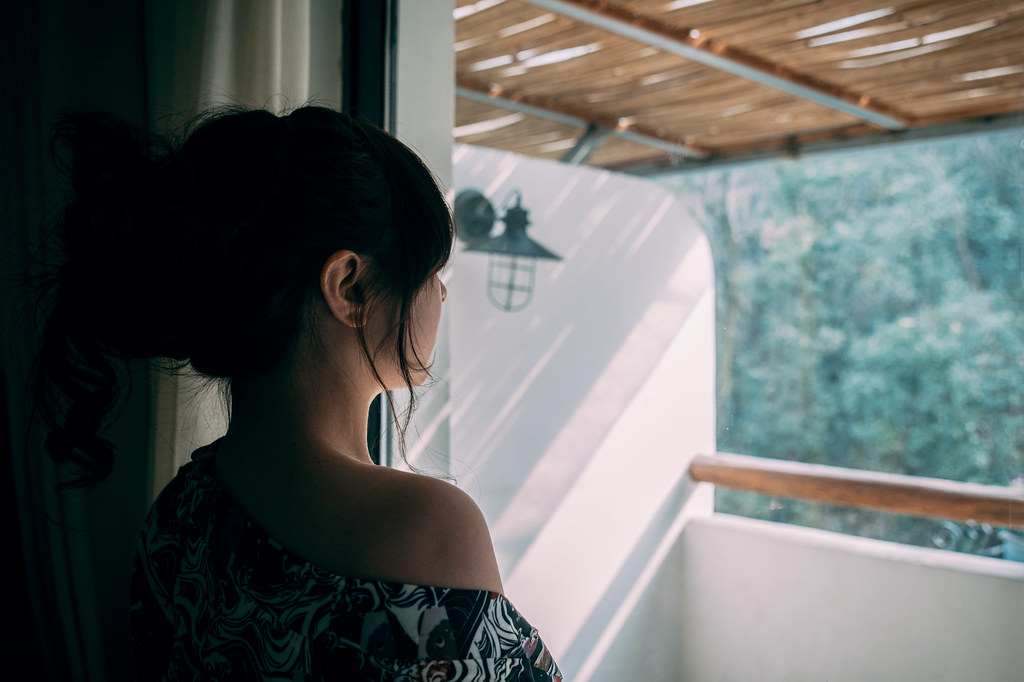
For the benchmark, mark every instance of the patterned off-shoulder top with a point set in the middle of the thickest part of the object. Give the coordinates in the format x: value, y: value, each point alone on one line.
x: 216, y: 598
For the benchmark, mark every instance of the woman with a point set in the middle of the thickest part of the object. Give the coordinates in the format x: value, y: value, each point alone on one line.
x: 296, y: 259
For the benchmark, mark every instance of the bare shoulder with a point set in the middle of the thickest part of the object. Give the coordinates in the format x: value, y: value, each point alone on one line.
x: 366, y: 521
x: 431, y: 533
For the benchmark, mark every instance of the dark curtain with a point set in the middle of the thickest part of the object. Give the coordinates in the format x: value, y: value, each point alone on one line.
x: 65, y: 613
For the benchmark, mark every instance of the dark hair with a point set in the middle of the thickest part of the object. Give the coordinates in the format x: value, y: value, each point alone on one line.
x: 208, y: 251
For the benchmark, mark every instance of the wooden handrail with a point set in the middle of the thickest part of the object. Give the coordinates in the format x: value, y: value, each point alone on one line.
x: 899, y: 494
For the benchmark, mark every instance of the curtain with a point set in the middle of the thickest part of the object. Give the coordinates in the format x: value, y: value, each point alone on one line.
x: 256, y: 53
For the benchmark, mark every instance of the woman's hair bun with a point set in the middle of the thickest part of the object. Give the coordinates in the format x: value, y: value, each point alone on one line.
x: 99, y: 151
x: 123, y: 228
x: 117, y: 293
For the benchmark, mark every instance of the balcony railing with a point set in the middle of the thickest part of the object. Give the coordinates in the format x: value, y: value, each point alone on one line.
x: 899, y: 494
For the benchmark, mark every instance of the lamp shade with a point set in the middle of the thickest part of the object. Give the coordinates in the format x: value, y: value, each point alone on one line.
x: 474, y: 217
x: 514, y: 240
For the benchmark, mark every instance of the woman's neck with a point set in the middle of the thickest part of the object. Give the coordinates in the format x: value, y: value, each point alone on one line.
x: 307, y: 413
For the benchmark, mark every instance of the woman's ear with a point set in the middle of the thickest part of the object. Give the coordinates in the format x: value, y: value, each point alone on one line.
x: 342, y: 287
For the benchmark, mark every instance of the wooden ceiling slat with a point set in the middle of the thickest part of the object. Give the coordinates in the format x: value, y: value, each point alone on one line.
x: 714, y: 135
x: 548, y: 109
x: 905, y: 84
x: 603, y: 75
x: 523, y: 13
x: 947, y: 114
x: 717, y: 13
x: 548, y: 38
x: 755, y: 32
x: 970, y: 107
x: 722, y: 18
x: 493, y: 19
x: 527, y: 137
x: 671, y: 115
x: 711, y: 96
x: 753, y: 20
x: 927, y: 67
x: 535, y: 42
x: 822, y: 57
x: 964, y: 48
x: 1008, y: 86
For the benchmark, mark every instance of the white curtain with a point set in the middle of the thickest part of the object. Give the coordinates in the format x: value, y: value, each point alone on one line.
x: 273, y: 54
x: 256, y: 53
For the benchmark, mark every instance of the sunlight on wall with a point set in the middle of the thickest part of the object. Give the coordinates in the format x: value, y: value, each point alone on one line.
x: 573, y: 422
x: 611, y: 502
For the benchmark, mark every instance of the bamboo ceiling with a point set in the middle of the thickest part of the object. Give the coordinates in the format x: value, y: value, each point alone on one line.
x: 686, y: 83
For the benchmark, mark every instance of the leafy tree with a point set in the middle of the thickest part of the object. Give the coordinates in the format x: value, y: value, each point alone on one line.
x: 871, y: 315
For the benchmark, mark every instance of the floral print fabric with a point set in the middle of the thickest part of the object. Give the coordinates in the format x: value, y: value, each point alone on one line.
x: 215, y: 598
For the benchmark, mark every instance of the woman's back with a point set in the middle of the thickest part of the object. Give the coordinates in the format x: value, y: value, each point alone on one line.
x: 214, y: 595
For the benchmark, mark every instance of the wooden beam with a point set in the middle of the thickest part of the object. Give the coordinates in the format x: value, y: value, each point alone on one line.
x: 689, y: 44
x: 898, y: 494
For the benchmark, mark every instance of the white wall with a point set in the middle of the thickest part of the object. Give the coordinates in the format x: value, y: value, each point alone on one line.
x: 772, y: 602
x: 573, y: 421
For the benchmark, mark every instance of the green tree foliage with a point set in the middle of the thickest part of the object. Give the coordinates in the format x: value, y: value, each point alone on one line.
x: 870, y: 313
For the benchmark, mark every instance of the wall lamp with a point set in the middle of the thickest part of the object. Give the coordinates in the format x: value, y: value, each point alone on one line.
x: 513, y: 256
